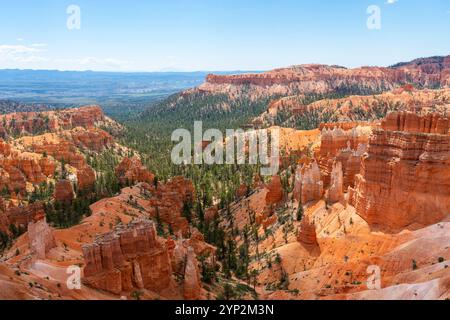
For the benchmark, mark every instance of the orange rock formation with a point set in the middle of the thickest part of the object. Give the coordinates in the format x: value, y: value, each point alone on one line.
x: 345, y: 145
x: 130, y: 257
x: 404, y: 181
x: 428, y: 72
x: 64, y: 192
x: 41, y: 238
x: 336, y: 193
x: 275, y: 194
x: 308, y: 184
x: 307, y: 232
x: 131, y: 171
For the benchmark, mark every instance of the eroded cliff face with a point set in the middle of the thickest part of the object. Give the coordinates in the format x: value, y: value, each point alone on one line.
x: 48, y: 138
x: 41, y: 237
x: 308, y: 183
x: 322, y: 78
x: 133, y: 257
x: 413, y: 123
x: 52, y: 121
x: 131, y: 171
x: 130, y: 257
x: 34, y: 148
x: 93, y: 139
x: 64, y: 192
x: 18, y: 168
x: 168, y: 202
x: 357, y: 108
x: 336, y: 190
x: 344, y: 146
x: 405, y: 178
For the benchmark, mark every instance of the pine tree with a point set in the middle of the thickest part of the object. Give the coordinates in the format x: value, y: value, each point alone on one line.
x: 300, y: 212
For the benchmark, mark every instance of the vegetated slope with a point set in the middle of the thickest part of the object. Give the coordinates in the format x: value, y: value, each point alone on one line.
x: 57, y: 162
x: 294, y: 112
x: 233, y: 99
x: 64, y: 180
x: 362, y: 201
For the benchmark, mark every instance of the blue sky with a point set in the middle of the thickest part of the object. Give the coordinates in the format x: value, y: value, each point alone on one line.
x: 186, y: 35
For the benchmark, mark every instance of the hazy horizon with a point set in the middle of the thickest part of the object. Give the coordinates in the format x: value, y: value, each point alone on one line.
x: 210, y: 71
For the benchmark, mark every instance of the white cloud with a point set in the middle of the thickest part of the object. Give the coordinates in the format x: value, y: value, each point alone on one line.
x: 391, y: 1
x: 20, y: 54
x: 39, y: 45
x: 36, y: 56
x: 16, y: 48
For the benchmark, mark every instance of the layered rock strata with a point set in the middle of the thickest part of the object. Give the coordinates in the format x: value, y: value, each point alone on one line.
x: 307, y: 232
x: 405, y: 178
x: 131, y: 257
x: 131, y: 171
x: 345, y: 145
x: 308, y: 183
x: 311, y: 78
x: 41, y: 237
x: 275, y: 194
x: 336, y: 190
x: 168, y: 200
x: 64, y: 192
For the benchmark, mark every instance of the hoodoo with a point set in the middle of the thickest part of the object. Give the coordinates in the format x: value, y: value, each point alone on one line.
x: 405, y: 177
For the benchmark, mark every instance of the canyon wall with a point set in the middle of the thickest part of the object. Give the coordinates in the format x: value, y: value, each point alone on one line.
x: 51, y: 121
x: 130, y: 257
x: 429, y: 72
x: 46, y: 139
x: 405, y: 178
x: 356, y: 108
